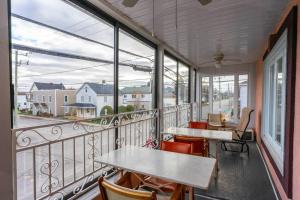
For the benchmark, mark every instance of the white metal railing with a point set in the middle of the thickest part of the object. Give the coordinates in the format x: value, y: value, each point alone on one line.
x: 178, y: 115
x: 57, y: 161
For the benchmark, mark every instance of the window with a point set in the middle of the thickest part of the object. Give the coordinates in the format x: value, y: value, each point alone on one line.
x: 243, y: 93
x: 105, y: 99
x: 224, y: 94
x: 136, y: 69
x: 65, y: 99
x: 183, y: 83
x: 142, y: 95
x: 82, y: 99
x: 90, y: 99
x: 170, y: 81
x: 50, y: 99
x: 204, y: 97
x: 273, y: 127
x: 44, y: 99
x: 77, y: 46
x: 125, y: 95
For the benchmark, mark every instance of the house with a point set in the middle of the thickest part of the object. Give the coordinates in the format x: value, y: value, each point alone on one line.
x: 140, y: 97
x: 169, y: 96
x: 91, y: 98
x: 50, y: 99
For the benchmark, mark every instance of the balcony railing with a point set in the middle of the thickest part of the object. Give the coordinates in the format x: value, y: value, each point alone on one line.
x: 57, y: 161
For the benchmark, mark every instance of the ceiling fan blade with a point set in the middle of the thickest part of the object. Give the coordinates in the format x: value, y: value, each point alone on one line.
x: 208, y: 62
x: 233, y: 60
x: 129, y: 3
x: 204, y: 2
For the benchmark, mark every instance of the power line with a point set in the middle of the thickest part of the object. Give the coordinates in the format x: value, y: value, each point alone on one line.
x: 74, y: 35
x: 72, y: 56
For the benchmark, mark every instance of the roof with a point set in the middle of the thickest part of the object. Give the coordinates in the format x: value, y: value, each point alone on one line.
x: 136, y: 90
x: 49, y: 86
x: 81, y: 105
x: 100, y: 88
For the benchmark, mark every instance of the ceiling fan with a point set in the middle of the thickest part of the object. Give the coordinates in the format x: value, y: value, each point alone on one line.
x: 132, y: 3
x: 218, y: 60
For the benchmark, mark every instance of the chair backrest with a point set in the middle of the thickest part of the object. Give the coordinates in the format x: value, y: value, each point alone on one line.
x: 198, y: 125
x: 177, y: 147
x: 199, y: 146
x: 110, y: 191
x: 215, y: 119
x: 244, y: 121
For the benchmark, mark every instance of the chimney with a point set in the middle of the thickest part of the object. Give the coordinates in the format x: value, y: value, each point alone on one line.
x: 103, y: 82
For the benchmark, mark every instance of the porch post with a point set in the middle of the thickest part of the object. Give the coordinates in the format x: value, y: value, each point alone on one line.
x: 160, y: 85
x: 6, y: 153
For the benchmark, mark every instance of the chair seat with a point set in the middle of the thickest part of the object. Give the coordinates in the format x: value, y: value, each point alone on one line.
x: 159, y: 196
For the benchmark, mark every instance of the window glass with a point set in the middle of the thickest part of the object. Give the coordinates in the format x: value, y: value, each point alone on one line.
x: 59, y: 46
x: 170, y: 81
x: 183, y: 83
x: 223, y: 95
x: 136, y: 72
x: 204, y: 97
x: 243, y: 93
x: 279, y: 126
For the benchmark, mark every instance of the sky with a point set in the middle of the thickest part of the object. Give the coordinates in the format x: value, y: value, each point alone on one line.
x: 71, y: 72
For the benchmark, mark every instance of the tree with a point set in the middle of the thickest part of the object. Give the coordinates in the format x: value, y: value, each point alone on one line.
x: 107, y: 110
x: 130, y: 108
x: 122, y: 109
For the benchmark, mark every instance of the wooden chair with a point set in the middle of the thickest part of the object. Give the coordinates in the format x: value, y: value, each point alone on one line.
x: 215, y: 121
x: 239, y: 131
x: 110, y: 191
x: 161, y: 185
x: 199, y: 146
x: 177, y: 147
x: 198, y: 125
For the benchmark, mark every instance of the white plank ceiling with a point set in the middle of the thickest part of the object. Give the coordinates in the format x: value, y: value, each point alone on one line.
x: 238, y: 28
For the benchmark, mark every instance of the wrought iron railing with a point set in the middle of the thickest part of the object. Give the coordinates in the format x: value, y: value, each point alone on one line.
x: 178, y: 115
x: 57, y: 161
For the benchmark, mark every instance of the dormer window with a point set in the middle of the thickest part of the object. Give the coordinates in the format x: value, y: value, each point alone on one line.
x: 85, y: 89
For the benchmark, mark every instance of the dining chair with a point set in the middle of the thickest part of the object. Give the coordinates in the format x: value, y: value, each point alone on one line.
x: 199, y: 146
x: 177, y: 147
x: 111, y: 191
x: 215, y: 121
x: 198, y: 125
x: 238, y: 132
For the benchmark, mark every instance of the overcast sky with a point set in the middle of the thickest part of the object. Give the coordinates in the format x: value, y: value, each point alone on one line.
x: 71, y: 72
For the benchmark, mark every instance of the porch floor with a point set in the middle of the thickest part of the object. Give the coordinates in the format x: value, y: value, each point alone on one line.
x: 240, y: 177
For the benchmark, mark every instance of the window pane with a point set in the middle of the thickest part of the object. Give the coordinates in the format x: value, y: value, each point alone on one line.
x: 183, y: 83
x: 243, y: 94
x: 223, y: 95
x: 204, y: 97
x: 136, y: 73
x: 271, y: 102
x: 279, y: 98
x: 62, y: 49
x: 170, y: 77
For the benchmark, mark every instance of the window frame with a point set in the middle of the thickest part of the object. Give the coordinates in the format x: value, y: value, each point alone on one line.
x: 289, y: 24
x: 177, y: 60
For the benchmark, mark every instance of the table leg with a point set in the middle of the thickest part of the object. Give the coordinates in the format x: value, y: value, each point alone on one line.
x: 213, y: 152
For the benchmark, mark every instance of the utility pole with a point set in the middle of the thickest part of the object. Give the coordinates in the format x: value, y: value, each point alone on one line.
x: 17, y: 64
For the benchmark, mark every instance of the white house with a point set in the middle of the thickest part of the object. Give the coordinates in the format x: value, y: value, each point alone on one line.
x: 91, y: 98
x: 140, y: 97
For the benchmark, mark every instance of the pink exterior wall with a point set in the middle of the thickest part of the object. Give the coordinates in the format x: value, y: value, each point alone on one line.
x: 259, y: 83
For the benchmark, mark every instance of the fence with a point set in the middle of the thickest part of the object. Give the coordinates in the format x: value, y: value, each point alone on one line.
x: 58, y: 161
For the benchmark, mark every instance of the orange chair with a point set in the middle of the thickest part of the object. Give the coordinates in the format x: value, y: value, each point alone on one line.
x: 162, y: 185
x: 199, y: 146
x: 177, y: 147
x: 198, y: 125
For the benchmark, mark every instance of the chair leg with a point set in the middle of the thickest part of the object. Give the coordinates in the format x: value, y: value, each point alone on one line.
x: 242, y: 148
x: 247, y: 149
